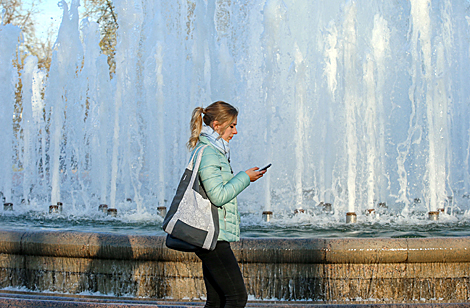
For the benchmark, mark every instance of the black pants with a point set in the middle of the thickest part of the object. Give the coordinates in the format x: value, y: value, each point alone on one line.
x: 223, y: 278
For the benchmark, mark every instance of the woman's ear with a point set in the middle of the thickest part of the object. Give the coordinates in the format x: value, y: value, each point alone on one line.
x: 216, y: 126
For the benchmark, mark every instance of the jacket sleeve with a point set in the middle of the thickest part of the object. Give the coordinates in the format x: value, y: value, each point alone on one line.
x: 211, y: 177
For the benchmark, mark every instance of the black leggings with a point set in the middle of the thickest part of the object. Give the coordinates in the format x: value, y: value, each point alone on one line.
x: 224, y: 281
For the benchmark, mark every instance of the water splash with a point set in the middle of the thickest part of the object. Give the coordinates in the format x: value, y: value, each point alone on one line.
x: 353, y: 103
x: 9, y: 38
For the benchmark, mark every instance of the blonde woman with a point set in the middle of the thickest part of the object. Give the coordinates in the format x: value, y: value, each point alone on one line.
x: 215, y: 126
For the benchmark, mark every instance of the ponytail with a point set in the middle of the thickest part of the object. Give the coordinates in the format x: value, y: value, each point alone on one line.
x: 195, y: 127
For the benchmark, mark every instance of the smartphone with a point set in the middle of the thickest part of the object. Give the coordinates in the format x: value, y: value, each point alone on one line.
x: 265, y: 168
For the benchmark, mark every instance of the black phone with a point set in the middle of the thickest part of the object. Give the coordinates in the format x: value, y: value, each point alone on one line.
x: 264, y: 168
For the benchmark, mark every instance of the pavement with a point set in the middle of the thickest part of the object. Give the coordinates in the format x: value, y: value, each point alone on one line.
x: 20, y: 299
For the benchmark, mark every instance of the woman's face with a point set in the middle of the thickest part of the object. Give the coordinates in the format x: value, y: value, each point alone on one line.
x: 229, y: 132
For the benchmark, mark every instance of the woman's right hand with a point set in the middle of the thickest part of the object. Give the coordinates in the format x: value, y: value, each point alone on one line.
x: 254, y: 174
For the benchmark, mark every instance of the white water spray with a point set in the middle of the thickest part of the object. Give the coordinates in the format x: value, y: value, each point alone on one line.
x: 349, y: 105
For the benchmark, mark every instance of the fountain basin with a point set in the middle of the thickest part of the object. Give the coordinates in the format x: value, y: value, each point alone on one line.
x: 383, y: 270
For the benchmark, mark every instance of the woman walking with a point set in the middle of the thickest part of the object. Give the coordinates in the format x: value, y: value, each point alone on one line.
x: 215, y: 126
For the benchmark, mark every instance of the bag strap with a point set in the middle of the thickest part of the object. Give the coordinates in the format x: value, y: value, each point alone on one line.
x: 197, y: 154
x: 196, y: 166
x: 196, y: 169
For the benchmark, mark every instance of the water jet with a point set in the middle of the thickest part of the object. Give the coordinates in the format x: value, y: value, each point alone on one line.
x: 161, y: 211
x: 112, y: 212
x: 433, y: 215
x: 450, y: 200
x: 60, y: 206
x: 267, y: 216
x: 327, y: 207
x: 8, y: 206
x: 351, y: 217
x: 103, y: 208
x: 382, y: 205
x: 54, y: 209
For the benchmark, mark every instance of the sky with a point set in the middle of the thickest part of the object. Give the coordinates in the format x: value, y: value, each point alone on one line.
x: 50, y: 17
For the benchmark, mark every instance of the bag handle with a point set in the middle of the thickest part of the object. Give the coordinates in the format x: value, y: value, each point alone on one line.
x: 197, y: 154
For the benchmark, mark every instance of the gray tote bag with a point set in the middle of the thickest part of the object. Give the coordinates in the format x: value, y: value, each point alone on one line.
x: 192, y: 217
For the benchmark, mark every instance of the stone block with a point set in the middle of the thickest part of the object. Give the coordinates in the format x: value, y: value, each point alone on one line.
x: 11, y: 261
x: 434, y: 250
x: 283, y: 281
x: 12, y: 277
x: 282, y: 251
x: 126, y: 247
x: 10, y: 242
x: 363, y: 251
x: 55, y: 243
x: 437, y: 270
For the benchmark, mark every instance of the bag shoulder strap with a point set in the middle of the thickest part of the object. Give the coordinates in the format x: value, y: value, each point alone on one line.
x: 198, y: 154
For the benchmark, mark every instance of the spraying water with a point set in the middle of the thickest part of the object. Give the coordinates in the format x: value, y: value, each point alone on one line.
x: 353, y: 103
x: 9, y: 36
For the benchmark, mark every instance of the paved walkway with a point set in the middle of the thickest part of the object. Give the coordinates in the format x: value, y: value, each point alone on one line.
x: 40, y: 300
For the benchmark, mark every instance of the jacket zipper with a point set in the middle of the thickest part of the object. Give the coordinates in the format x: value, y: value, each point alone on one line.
x: 225, y: 219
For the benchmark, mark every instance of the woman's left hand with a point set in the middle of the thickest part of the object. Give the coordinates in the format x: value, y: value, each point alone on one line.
x: 254, y: 174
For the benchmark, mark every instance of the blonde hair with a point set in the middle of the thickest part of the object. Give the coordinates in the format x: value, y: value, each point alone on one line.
x: 219, y: 111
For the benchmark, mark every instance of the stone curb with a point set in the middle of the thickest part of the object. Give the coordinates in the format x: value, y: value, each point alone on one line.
x: 248, y: 250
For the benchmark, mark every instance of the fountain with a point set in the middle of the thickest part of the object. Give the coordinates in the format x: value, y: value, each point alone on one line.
x: 8, y: 206
x: 358, y: 105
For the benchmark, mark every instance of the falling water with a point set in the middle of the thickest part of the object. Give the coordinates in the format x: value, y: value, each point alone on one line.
x: 9, y: 36
x: 350, y: 100
x: 354, y: 104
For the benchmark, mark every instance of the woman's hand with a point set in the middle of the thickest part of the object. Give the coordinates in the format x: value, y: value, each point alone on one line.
x: 253, y: 174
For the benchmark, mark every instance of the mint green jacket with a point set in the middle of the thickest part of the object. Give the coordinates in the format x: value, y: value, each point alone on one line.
x: 222, y: 188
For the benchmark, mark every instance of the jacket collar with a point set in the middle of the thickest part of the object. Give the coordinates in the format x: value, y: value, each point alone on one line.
x: 205, y: 141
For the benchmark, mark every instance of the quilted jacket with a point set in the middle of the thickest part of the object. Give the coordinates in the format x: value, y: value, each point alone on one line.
x: 222, y: 187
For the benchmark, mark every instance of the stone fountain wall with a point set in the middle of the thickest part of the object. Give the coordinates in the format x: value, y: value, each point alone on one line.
x: 343, y: 269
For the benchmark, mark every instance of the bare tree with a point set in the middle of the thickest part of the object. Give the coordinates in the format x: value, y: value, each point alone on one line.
x: 18, y: 13
x: 22, y: 14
